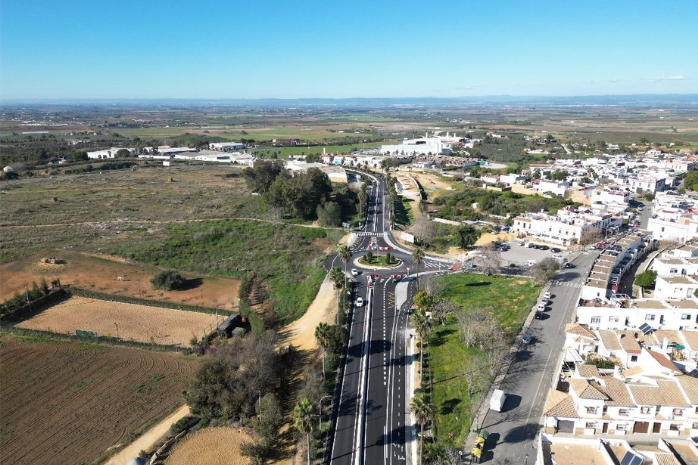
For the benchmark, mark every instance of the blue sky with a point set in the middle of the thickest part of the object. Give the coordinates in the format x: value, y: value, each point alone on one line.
x: 78, y: 49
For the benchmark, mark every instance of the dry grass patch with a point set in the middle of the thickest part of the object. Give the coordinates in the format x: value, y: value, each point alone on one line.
x: 210, y: 446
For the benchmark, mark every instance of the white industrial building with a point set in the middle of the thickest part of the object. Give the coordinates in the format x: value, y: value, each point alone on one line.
x: 426, y: 145
x: 226, y: 146
x: 109, y: 153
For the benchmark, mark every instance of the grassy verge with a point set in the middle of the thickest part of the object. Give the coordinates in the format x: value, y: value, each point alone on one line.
x: 511, y: 299
x: 286, y: 257
x: 379, y: 260
x: 403, y: 211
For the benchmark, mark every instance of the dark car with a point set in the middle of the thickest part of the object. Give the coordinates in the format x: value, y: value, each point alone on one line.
x: 539, y: 315
x: 568, y: 265
x: 555, y: 250
x: 543, y: 247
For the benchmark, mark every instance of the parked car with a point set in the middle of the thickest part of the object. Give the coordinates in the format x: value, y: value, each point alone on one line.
x: 555, y: 250
x: 568, y: 265
x: 547, y: 296
x: 543, y: 247
x: 542, y: 305
x: 526, y: 339
x: 360, y: 302
x: 557, y: 256
x: 539, y: 315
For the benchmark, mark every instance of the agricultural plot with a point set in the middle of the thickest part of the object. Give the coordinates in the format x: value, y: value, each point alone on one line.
x: 112, y: 275
x: 139, y: 323
x: 68, y: 402
x: 210, y: 446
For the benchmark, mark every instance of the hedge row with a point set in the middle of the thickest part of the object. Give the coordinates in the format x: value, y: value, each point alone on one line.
x: 151, y: 303
x: 95, y: 340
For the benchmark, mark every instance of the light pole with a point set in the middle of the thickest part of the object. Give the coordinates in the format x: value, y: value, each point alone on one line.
x: 408, y: 271
x: 320, y: 408
x: 117, y: 329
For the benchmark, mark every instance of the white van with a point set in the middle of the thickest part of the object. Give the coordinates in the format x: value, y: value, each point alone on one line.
x: 531, y: 263
x: 497, y: 400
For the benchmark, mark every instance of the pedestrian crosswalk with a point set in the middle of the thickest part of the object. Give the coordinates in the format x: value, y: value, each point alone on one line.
x: 368, y: 233
x: 574, y: 284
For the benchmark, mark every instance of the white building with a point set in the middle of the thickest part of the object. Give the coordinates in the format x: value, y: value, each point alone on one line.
x: 109, y: 153
x: 566, y: 225
x: 226, y: 146
x: 426, y: 145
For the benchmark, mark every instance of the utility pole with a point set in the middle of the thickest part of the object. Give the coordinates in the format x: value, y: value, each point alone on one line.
x: 117, y: 329
x: 26, y: 294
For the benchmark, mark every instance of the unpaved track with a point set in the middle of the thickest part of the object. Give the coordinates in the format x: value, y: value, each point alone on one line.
x: 149, y: 438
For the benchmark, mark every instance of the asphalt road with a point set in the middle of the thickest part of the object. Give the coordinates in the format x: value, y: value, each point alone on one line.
x: 513, y: 430
x: 372, y: 416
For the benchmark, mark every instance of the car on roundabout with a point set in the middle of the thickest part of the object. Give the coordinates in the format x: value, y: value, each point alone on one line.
x: 354, y: 272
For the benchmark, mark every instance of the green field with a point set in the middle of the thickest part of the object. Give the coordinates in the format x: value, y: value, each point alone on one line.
x: 511, y: 300
x: 286, y: 257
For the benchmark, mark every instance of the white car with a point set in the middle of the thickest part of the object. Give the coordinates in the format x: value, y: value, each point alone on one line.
x: 547, y: 296
x: 557, y: 256
x: 542, y: 305
x: 359, y: 302
x: 354, y: 272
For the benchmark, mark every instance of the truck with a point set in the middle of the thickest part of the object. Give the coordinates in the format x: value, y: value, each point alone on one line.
x: 497, y: 400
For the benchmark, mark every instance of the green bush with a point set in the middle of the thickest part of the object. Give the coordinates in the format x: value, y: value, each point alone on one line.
x: 168, y: 280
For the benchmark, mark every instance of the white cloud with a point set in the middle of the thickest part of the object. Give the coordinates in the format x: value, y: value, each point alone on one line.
x: 678, y: 77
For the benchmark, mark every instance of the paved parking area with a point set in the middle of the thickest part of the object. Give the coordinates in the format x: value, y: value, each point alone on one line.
x: 519, y: 255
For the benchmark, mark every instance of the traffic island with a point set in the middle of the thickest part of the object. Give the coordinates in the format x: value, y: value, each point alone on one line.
x: 378, y: 262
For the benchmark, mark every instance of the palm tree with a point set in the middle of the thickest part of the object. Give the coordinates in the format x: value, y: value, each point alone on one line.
x: 303, y: 418
x: 421, y: 324
x: 323, y: 335
x: 422, y: 411
x: 337, y: 278
x: 344, y: 254
x: 418, y: 256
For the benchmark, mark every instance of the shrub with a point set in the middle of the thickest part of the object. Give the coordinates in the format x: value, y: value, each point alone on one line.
x: 167, y: 280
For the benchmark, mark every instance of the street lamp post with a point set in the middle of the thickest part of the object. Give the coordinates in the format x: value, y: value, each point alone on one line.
x: 408, y: 271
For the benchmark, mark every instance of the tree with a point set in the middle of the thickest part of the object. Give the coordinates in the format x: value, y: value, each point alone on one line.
x: 423, y: 229
x: 167, y: 280
x: 423, y: 300
x: 646, y: 279
x: 304, y: 418
x: 329, y: 214
x: 422, y: 411
x: 229, y: 382
x: 490, y: 260
x: 344, y: 253
x: 270, y: 419
x: 592, y: 236
x: 442, y: 309
x: 418, y: 256
x: 337, y: 278
x: 544, y: 270
x: 260, y: 177
x: 421, y: 324
x: 322, y: 334
x: 467, y: 236
x: 122, y: 153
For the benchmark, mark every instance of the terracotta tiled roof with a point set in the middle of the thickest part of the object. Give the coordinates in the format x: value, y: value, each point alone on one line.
x: 628, y: 342
x: 609, y: 340
x: 579, y: 330
x: 665, y: 393
x: 664, y: 361
x: 559, y: 404
x: 690, y: 387
x: 636, y: 370
x: 664, y: 458
x: 585, y: 390
x: 691, y: 339
x: 671, y: 335
x: 588, y: 371
x: 616, y: 391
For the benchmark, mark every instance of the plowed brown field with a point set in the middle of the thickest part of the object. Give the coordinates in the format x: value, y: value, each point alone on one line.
x: 64, y: 402
x: 135, y: 322
x: 210, y: 446
x: 101, y: 273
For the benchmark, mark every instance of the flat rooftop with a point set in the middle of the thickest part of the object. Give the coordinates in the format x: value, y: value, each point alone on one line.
x: 575, y: 454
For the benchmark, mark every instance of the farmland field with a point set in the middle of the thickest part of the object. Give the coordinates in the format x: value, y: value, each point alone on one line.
x: 139, y: 323
x: 101, y: 272
x: 210, y: 446
x: 66, y: 402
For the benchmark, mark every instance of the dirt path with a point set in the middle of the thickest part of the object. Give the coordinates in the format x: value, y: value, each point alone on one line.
x: 301, y: 333
x: 148, y: 439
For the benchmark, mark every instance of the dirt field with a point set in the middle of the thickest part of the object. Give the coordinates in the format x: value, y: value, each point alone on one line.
x: 69, y: 402
x: 135, y: 322
x: 101, y: 273
x: 210, y: 446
